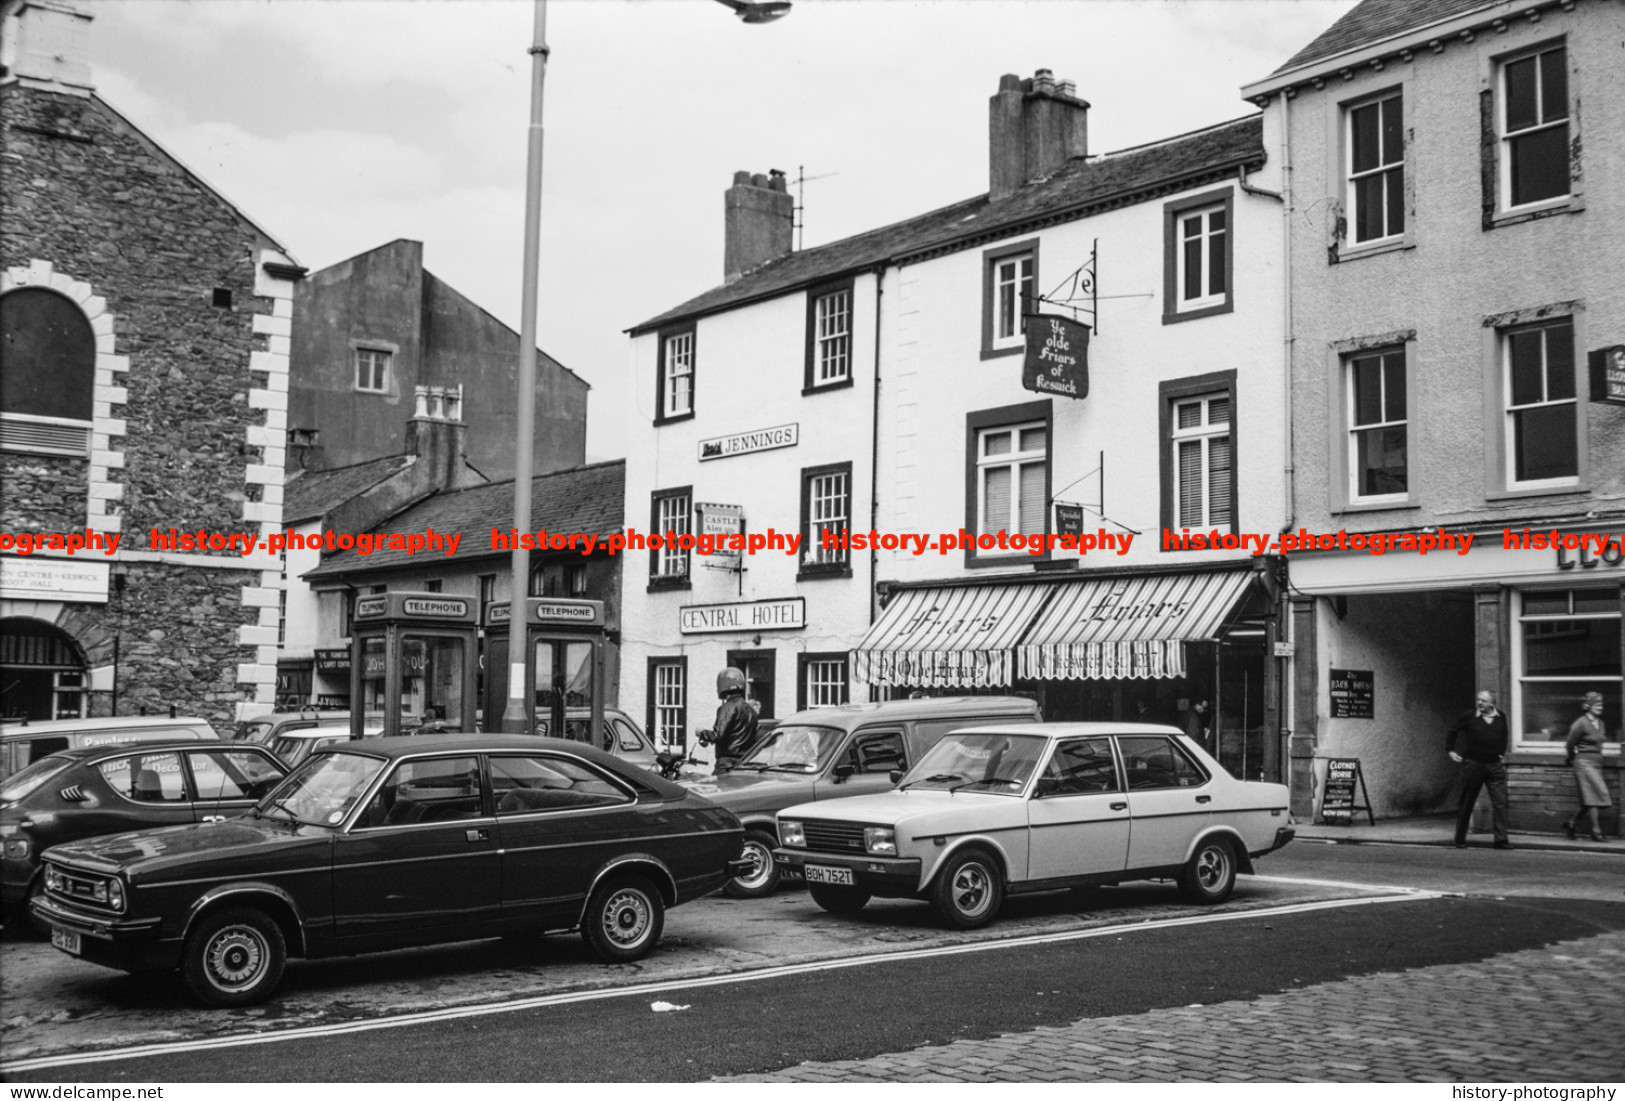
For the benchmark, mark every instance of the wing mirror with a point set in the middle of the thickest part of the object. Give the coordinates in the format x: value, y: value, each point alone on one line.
x: 842, y: 773
x: 1046, y: 785
x: 896, y: 774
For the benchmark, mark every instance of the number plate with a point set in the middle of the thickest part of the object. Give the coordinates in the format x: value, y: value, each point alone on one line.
x: 816, y: 873
x: 66, y: 940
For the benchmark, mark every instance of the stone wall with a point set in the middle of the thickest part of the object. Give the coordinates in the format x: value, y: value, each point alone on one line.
x: 1541, y: 796
x: 42, y: 492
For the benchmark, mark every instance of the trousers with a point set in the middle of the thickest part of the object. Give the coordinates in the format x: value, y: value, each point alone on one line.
x: 1475, y: 777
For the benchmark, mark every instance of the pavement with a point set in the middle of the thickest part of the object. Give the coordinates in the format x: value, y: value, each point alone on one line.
x: 1432, y: 1024
x: 1440, y: 829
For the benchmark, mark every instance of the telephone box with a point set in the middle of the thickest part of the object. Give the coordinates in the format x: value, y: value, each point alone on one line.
x: 563, y: 664
x: 413, y: 660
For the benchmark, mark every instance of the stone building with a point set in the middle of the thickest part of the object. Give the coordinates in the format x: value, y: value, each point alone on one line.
x: 371, y: 329
x: 143, y: 393
x: 1456, y: 221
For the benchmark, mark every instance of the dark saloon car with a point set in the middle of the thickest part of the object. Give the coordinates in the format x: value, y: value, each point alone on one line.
x: 102, y: 789
x: 390, y: 842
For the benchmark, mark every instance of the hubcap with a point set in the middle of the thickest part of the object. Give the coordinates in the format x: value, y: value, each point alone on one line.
x: 1210, y: 869
x: 972, y: 890
x: 761, y: 862
x: 626, y: 918
x: 236, y: 958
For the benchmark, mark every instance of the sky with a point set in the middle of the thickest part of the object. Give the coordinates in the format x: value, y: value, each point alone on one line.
x: 340, y: 125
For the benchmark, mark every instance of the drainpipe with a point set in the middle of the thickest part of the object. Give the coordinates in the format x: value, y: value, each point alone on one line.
x: 874, y: 453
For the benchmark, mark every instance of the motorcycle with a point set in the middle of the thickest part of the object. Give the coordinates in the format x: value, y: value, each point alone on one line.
x: 670, y: 763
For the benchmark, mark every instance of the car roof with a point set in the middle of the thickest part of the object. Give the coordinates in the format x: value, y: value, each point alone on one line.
x: 290, y: 716
x: 931, y: 707
x: 113, y: 749
x: 116, y: 722
x: 412, y: 745
x: 1074, y: 730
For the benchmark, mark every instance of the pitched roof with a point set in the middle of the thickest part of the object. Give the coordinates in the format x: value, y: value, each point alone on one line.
x: 586, y: 500
x: 311, y: 493
x: 1374, y: 20
x: 1082, y: 187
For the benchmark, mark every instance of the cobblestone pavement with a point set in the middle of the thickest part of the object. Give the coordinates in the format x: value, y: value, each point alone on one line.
x: 1544, y: 1015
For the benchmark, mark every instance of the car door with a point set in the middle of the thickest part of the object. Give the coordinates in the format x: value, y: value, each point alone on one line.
x: 1169, y: 799
x: 421, y: 859
x: 554, y: 814
x: 870, y: 756
x: 1078, y: 816
x: 228, y: 782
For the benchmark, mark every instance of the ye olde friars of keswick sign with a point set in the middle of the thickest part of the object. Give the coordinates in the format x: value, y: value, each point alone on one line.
x: 1057, y: 360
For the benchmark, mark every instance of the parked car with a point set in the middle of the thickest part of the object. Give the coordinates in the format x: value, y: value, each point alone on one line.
x: 621, y: 735
x: 413, y: 841
x: 95, y: 790
x: 23, y: 743
x: 832, y: 752
x: 265, y: 729
x: 293, y: 746
x: 996, y: 810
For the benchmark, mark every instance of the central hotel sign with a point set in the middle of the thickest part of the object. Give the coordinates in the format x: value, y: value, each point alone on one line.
x: 789, y: 614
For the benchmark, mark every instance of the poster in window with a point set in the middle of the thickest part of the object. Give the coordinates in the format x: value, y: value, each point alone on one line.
x: 1057, y: 359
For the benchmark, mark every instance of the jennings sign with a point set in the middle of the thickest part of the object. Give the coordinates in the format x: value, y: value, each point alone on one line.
x: 1057, y: 359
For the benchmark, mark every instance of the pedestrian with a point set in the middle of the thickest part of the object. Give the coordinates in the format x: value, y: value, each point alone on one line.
x: 1584, y: 749
x: 1196, y: 725
x: 1478, y: 742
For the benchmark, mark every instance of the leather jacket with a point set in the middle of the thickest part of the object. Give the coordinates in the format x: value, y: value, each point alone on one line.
x: 735, y: 728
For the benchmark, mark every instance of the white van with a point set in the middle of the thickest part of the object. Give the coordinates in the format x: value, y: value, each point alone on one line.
x: 23, y: 743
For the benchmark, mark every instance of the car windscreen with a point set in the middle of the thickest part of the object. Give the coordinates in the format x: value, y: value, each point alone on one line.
x: 996, y: 763
x: 795, y: 748
x: 322, y: 790
x: 253, y: 731
x: 20, y: 785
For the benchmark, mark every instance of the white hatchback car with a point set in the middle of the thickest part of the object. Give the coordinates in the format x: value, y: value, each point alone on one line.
x: 1011, y: 809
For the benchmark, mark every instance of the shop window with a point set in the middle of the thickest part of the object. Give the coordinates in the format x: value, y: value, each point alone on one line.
x: 1567, y: 644
x: 1198, y: 258
x: 1532, y: 126
x: 667, y: 714
x: 821, y: 680
x: 47, y: 373
x: 826, y: 512
x: 674, y: 390
x: 1009, y: 294
x: 829, y: 338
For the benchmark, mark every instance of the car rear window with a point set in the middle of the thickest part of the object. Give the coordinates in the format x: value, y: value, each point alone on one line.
x: 23, y: 783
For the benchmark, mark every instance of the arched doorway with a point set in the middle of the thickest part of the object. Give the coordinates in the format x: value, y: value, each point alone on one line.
x: 42, y: 672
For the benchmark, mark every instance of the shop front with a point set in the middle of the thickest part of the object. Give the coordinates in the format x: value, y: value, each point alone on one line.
x: 1533, y: 618
x: 1129, y: 647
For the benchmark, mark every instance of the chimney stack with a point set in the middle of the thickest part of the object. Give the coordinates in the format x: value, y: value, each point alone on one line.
x: 46, y: 44
x: 758, y: 217
x: 438, y: 436
x: 1034, y: 127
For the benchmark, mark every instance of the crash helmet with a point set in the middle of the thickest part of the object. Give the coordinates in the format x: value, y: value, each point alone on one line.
x: 730, y: 680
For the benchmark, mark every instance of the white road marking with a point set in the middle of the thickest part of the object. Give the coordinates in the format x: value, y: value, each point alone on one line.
x: 645, y: 989
x: 1347, y: 886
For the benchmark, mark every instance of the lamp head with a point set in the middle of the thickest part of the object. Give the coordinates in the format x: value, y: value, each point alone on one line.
x: 758, y: 11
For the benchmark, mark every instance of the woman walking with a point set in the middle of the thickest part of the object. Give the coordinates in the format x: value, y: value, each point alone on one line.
x: 1584, y: 748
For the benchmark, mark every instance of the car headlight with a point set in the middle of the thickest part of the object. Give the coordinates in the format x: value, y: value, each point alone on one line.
x: 53, y: 878
x: 791, y: 833
x: 880, y: 840
x: 115, y: 895
x: 17, y: 848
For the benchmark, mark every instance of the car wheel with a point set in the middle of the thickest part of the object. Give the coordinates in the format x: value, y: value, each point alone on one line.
x: 968, y: 890
x: 234, y: 958
x: 624, y: 919
x: 1210, y: 874
x: 838, y: 900
x: 763, y: 878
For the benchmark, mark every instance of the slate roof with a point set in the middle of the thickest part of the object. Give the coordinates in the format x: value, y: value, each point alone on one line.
x: 311, y: 493
x: 586, y: 500
x: 1081, y: 187
x: 1375, y: 20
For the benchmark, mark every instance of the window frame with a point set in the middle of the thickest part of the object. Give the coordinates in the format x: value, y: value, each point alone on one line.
x: 978, y: 422
x: 50, y: 433
x: 651, y: 701
x: 1505, y: 138
x: 383, y: 372
x: 659, y: 578
x: 1350, y: 175
x: 804, y: 663
x: 1499, y: 465
x: 1519, y: 677
x: 809, y: 568
x: 993, y: 345
x: 1340, y: 358
x: 1174, y: 306
x: 663, y: 366
x: 1177, y: 391
x: 811, y: 384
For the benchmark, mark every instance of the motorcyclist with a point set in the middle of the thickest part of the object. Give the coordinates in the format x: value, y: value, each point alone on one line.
x: 734, y: 730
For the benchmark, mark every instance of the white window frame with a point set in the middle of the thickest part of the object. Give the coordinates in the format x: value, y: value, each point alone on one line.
x: 672, y: 515
x: 1205, y: 235
x: 826, y: 683
x: 1509, y: 411
x: 678, y: 365
x: 1389, y: 161
x: 378, y: 365
x: 832, y: 339
x: 1015, y: 460
x: 1506, y: 138
x: 829, y: 505
x: 1520, y: 677
x: 1203, y: 434
x: 669, y: 688
x: 1013, y: 278
x: 1355, y: 429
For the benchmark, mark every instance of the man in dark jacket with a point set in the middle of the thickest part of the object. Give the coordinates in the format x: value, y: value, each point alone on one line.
x: 734, y: 730
x: 1478, y: 742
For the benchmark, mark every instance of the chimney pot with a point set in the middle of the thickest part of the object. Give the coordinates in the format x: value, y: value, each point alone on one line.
x: 1034, y: 128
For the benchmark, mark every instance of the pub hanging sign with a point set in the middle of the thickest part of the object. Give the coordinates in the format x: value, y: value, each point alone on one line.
x: 1608, y: 375
x: 1057, y: 360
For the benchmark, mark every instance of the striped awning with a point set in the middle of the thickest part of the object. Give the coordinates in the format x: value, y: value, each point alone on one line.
x: 950, y: 637
x: 1129, y: 627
